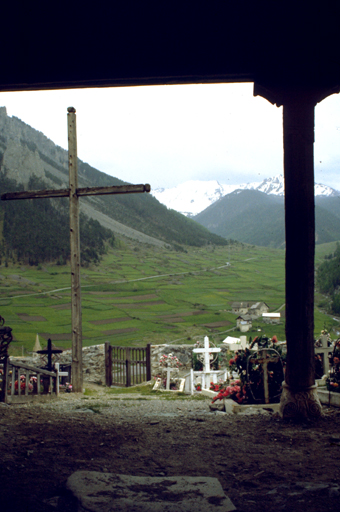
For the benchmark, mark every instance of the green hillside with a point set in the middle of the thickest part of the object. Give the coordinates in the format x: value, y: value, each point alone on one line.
x: 37, y: 231
x: 256, y: 218
x: 144, y: 213
x: 139, y: 295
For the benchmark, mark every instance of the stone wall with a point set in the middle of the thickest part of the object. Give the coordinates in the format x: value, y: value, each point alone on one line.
x: 94, y: 360
x: 93, y: 363
x: 184, y: 354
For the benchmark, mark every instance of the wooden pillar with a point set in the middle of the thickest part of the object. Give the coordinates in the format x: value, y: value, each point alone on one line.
x: 299, y: 397
x: 77, y: 370
x: 298, y: 137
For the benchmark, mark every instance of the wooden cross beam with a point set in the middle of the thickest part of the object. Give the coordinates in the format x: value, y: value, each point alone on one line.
x: 73, y: 192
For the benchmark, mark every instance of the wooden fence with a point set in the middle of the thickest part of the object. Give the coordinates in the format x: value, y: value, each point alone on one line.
x: 20, y: 381
x: 127, y: 366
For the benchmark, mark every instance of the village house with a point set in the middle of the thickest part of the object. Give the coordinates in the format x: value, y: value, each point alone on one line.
x: 244, y: 323
x: 254, y: 309
x: 240, y: 308
x: 258, y: 309
x: 271, y: 318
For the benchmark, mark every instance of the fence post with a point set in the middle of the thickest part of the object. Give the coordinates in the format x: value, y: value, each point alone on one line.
x: 108, y: 364
x: 128, y: 367
x: 4, y: 383
x: 148, y: 362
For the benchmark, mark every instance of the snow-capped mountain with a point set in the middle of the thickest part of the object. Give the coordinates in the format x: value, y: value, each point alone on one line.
x: 192, y: 197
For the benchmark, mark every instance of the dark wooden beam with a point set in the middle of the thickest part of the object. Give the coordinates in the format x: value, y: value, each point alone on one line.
x: 65, y: 192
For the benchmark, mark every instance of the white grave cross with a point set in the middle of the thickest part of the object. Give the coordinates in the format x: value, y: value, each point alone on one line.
x: 168, y: 371
x: 324, y: 350
x: 206, y: 351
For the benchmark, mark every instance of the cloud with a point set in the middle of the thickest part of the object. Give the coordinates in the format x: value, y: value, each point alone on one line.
x: 166, y: 135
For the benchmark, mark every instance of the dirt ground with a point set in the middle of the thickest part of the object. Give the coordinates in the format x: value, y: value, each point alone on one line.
x: 262, y: 462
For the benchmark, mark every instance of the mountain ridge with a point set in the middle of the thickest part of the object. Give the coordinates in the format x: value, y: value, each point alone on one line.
x: 26, y: 153
x: 192, y: 197
x: 257, y: 218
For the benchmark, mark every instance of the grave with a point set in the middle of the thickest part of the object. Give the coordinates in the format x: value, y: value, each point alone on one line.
x: 169, y: 380
x: 108, y: 492
x: 331, y: 395
x: 260, y: 379
x: 207, y: 375
x: 322, y: 348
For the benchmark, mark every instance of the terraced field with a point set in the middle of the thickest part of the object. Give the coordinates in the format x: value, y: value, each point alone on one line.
x: 140, y: 295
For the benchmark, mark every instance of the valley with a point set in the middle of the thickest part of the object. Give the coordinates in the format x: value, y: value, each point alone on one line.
x: 154, y: 276
x: 141, y: 294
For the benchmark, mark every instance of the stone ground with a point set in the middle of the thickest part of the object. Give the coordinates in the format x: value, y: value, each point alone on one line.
x: 262, y: 463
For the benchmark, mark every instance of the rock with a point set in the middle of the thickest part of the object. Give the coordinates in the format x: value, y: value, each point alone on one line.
x: 217, y: 406
x: 252, y: 410
x: 108, y: 492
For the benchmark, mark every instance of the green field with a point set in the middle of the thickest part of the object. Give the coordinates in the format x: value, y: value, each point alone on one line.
x: 141, y: 294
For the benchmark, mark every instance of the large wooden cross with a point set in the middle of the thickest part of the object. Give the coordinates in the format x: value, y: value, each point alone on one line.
x: 73, y: 192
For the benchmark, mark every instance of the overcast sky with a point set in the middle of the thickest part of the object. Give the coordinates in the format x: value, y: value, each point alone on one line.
x: 165, y: 135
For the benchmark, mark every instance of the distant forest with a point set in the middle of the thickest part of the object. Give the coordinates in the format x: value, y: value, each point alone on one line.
x: 34, y: 231
x: 328, y: 278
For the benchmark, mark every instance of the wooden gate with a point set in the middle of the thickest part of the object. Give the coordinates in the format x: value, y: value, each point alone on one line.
x: 127, y: 366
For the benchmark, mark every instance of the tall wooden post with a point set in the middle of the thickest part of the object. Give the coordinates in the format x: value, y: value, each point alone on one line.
x: 299, y: 396
x: 298, y: 136
x: 73, y: 193
x: 77, y: 366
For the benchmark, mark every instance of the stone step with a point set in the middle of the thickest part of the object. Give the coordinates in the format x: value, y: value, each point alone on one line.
x: 108, y: 492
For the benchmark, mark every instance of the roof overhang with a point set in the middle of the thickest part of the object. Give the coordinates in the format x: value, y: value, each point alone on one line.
x: 129, y: 43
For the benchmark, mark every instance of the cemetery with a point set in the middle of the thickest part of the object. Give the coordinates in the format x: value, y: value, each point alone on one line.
x: 71, y: 439
x: 226, y: 396
x: 104, y: 432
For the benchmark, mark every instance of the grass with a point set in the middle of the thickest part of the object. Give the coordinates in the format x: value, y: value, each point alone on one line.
x: 144, y: 390
x: 176, y: 287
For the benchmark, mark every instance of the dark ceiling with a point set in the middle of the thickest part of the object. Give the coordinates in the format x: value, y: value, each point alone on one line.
x: 129, y: 43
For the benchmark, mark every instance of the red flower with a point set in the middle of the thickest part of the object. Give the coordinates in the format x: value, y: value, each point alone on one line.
x: 336, y: 360
x: 274, y: 339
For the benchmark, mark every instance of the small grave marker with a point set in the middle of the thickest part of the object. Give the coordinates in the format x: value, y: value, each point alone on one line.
x: 323, y: 349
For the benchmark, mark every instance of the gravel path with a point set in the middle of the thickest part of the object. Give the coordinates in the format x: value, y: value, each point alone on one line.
x: 262, y: 463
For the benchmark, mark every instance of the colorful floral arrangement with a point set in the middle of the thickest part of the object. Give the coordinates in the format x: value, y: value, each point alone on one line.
x: 333, y: 381
x: 169, y: 361
x: 23, y: 383
x: 233, y: 390
x: 248, y: 388
x: 68, y: 387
